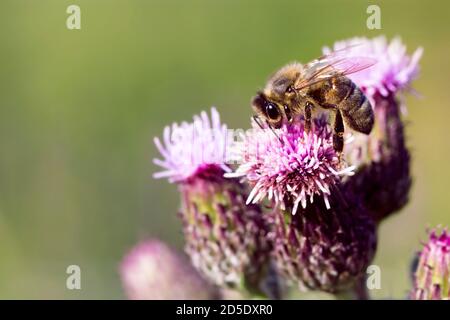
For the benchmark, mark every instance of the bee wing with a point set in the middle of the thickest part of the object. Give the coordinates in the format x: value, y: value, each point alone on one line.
x: 333, y: 65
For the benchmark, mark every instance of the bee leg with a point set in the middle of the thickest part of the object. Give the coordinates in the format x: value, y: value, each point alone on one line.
x: 258, y: 122
x: 308, y: 111
x: 338, y: 134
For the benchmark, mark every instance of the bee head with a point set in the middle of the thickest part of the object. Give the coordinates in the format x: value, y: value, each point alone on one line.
x: 267, y: 109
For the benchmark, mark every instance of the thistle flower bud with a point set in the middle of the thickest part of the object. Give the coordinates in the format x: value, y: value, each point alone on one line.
x: 322, y: 249
x: 432, y: 274
x: 154, y: 271
x: 225, y: 238
x: 381, y: 158
x: 383, y: 178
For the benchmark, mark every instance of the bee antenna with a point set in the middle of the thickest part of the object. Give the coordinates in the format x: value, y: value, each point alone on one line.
x: 258, y: 122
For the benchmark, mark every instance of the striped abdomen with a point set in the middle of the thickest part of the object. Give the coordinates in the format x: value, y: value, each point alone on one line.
x: 343, y: 94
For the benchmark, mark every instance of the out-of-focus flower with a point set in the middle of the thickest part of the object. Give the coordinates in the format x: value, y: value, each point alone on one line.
x: 393, y: 71
x: 381, y: 158
x: 291, y: 171
x: 322, y: 249
x: 154, y: 271
x: 225, y: 239
x: 432, y: 274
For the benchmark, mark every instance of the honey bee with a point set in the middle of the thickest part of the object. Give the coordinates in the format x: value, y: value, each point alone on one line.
x: 297, y: 89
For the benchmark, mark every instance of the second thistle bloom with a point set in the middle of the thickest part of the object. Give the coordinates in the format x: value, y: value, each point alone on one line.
x: 291, y: 167
x: 383, y: 176
x: 394, y: 71
x: 225, y: 238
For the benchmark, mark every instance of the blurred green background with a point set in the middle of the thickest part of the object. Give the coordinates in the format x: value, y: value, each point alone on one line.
x: 79, y: 109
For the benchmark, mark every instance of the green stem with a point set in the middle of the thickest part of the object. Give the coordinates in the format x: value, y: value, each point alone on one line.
x: 252, y: 290
x: 357, y: 292
x: 360, y: 289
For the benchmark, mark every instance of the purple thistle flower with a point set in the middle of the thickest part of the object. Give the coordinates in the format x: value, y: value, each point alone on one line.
x: 322, y: 249
x: 154, y: 271
x: 293, y: 171
x: 191, y: 147
x: 225, y: 238
x: 432, y: 274
x: 393, y: 71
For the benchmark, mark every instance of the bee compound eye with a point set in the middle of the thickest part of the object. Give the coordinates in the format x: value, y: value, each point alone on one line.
x: 272, y: 111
